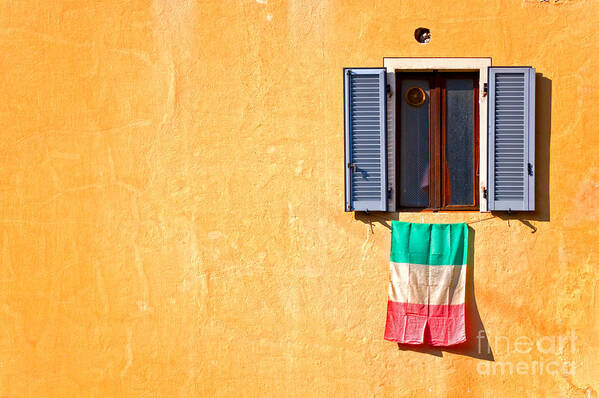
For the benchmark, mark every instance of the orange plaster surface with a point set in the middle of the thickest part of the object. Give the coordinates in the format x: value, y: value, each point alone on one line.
x: 171, y: 202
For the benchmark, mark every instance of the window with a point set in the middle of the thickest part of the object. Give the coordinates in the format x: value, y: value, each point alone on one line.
x: 437, y: 140
x: 440, y: 134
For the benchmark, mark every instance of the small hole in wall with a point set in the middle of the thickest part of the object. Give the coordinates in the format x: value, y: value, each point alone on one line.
x: 422, y: 35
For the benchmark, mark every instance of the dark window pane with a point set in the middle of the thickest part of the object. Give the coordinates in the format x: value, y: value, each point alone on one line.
x: 413, y: 164
x: 460, y: 141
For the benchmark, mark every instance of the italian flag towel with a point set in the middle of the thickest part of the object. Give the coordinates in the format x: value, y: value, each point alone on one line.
x: 427, y: 286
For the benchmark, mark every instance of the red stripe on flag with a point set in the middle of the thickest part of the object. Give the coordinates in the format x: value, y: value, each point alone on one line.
x: 437, y: 325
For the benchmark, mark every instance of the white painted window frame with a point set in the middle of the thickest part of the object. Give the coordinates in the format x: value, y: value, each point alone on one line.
x: 480, y: 65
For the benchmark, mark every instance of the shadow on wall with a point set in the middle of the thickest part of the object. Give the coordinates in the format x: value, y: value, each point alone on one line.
x: 477, y: 344
x: 542, y: 167
x: 542, y: 163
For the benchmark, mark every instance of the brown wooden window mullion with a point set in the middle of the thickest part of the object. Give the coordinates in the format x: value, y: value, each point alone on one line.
x: 435, y: 144
x: 446, y: 189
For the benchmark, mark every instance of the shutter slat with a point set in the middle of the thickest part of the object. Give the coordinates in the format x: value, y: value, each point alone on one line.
x: 511, y: 138
x: 365, y: 139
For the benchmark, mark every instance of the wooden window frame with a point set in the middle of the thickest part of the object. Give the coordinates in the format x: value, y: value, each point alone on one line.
x: 441, y: 64
x: 438, y: 187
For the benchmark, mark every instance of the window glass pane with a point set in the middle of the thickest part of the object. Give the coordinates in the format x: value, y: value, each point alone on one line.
x: 459, y: 147
x: 413, y: 160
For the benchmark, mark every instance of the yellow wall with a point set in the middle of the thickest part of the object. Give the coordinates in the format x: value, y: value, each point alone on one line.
x: 171, y: 201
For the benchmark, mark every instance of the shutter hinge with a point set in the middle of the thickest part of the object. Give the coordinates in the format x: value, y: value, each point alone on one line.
x: 388, y: 90
x: 352, y: 166
x: 485, y: 89
x: 485, y: 193
x: 530, y: 169
x: 389, y: 192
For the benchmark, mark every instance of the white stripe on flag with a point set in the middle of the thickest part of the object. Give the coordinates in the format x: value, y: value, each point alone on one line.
x: 427, y: 284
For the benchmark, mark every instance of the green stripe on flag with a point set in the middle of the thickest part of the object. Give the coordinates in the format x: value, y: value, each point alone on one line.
x: 429, y: 244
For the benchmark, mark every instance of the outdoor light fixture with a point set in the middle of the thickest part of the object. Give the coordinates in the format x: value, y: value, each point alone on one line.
x: 422, y: 35
x: 415, y: 96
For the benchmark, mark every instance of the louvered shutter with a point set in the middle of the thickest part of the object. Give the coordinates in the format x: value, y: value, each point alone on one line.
x: 365, y: 139
x: 511, y: 138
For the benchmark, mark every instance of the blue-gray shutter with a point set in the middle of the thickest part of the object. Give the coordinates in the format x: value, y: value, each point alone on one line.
x: 511, y: 138
x: 365, y: 139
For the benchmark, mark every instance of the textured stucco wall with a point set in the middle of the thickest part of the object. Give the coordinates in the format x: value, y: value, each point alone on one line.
x: 171, y: 201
